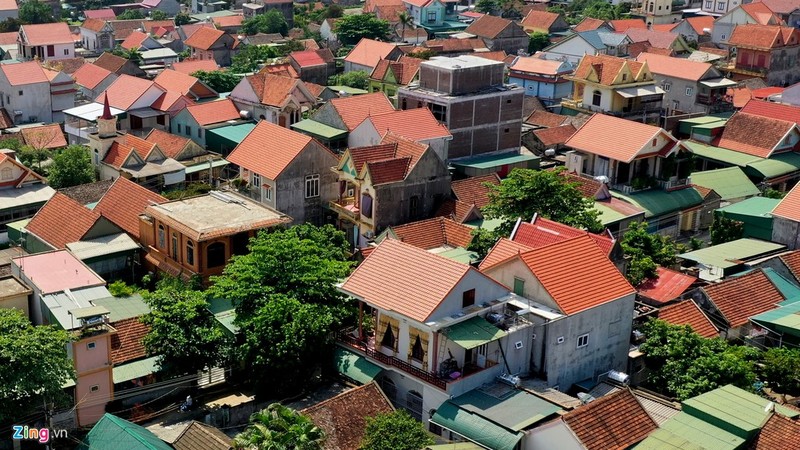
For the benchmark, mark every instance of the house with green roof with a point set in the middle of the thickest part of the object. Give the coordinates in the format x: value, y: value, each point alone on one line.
x: 730, y: 183
x: 112, y: 433
x: 722, y: 260
x: 755, y: 213
x: 670, y: 212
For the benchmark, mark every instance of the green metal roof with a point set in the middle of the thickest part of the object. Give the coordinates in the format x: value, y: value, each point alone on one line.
x: 201, y: 166
x: 475, y: 428
x: 490, y: 161
x: 121, y: 308
x: 510, y: 408
x: 730, y: 182
x: 486, y: 224
x: 354, y: 366
x: 319, y: 129
x: 702, y: 433
x: 348, y: 90
x: 720, y: 154
x: 755, y: 206
x: 656, y: 202
x: 135, y: 369
x: 455, y: 446
x: 233, y: 133
x: 776, y: 166
x: 112, y: 433
x: 474, y: 332
x: 19, y: 224
x: 785, y: 319
x: 608, y: 215
x: 733, y: 409
x: 225, y: 313
x: 460, y: 254
x: 731, y: 254
x: 662, y: 439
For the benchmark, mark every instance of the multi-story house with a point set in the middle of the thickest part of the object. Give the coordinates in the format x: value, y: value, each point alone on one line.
x: 750, y: 13
x: 195, y: 121
x: 288, y: 171
x: 388, y: 76
x: 212, y: 44
x: 22, y: 192
x: 46, y: 41
x: 717, y: 8
x: 418, y: 125
x: 615, y: 86
x: 313, y: 66
x: 541, y: 78
x: 450, y: 331
x: 331, y: 123
x: 500, y: 34
x: 256, y: 7
x: 367, y: 53
x: 392, y: 183
x: 31, y: 93
x: 689, y: 86
x: 768, y: 52
x: 788, y: 11
x: 274, y: 98
x: 434, y: 16
x: 468, y: 94
x: 656, y: 11
x: 92, y: 80
x: 591, y: 42
x: 97, y: 35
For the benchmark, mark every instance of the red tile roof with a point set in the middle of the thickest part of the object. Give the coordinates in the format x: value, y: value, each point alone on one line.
x: 272, y: 89
x: 44, y: 137
x: 675, y: 67
x: 618, y: 139
x: 589, y: 187
x: 434, y: 233
x: 615, y: 421
x: 388, y: 170
x: 688, y: 313
x: 214, y: 112
x: 623, y: 25
x: 107, y: 13
x: 779, y: 433
x: 474, y: 190
x: 741, y: 297
x: 204, y: 38
x: 171, y: 145
x: 542, y: 232
x: 701, y: 23
x: 382, y: 280
x: 503, y: 250
x: 61, y: 221
x: 404, y: 70
x: 174, y: 81
x: 269, y: 149
x: 94, y: 24
x: 47, y: 33
x: 124, y: 202
x: 657, y: 39
x: 311, y: 58
x: 417, y: 124
x: 738, y: 134
x: 90, y: 75
x: 284, y: 70
x: 353, y: 110
x: 779, y: 111
x: 134, y: 40
x: 126, y: 343
x: 459, y: 211
x: 405, y: 148
x: 607, y: 68
x: 228, y: 21
x: 556, y: 135
x: 123, y: 146
x: 125, y: 91
x: 589, y: 24
x: 664, y: 27
x: 789, y: 207
x: 361, y: 155
x: 761, y: 13
x: 110, y: 62
x: 368, y: 52
x: 668, y: 285
x: 8, y: 38
x: 24, y: 73
x: 488, y: 26
x: 191, y: 66
x: 546, y: 119
x: 540, y: 21
x: 763, y: 36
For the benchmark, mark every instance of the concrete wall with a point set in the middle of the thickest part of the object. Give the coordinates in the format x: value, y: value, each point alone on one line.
x: 548, y: 93
x: 723, y: 27
x: 86, y: 358
x: 328, y: 115
x: 90, y: 405
x: 511, y: 40
x: 677, y: 93
x: 554, y: 434
x: 290, y: 198
x: 786, y: 232
x: 573, y: 49
x: 33, y: 100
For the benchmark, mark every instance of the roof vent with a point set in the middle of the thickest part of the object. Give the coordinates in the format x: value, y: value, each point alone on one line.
x: 244, y: 114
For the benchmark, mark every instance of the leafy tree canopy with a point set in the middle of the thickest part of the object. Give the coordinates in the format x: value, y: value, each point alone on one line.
x: 35, y: 361
x: 182, y: 19
x: 157, y: 14
x: 250, y: 57
x: 538, y: 41
x: 781, y: 369
x: 353, y: 28
x: 218, y: 80
x: 34, y: 11
x: 358, y: 79
x: 279, y: 428
x: 646, y: 251
x: 725, y: 230
x: 131, y: 14
x: 395, y: 431
x: 486, y: 6
x: 271, y: 21
x: 71, y: 167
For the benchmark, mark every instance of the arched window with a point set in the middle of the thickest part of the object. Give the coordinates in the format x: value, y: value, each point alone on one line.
x: 190, y: 253
x: 175, y: 252
x: 162, y: 237
x: 414, y: 404
x: 596, y: 96
x: 389, y: 388
x: 417, y: 352
x: 215, y: 255
x: 388, y: 338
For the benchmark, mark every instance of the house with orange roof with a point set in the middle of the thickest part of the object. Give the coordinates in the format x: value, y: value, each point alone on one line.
x: 277, y: 99
x: 22, y: 192
x: 766, y: 52
x: 585, y: 323
x: 434, y: 16
x: 417, y: 124
x: 46, y: 41
x: 468, y: 197
x: 201, y: 165
x: 137, y: 97
x: 256, y: 7
x: 441, y: 336
x: 288, y: 171
x: 544, y: 22
x: 786, y: 221
x: 194, y: 121
x: 623, y: 25
x: 212, y: 44
x: 500, y: 34
x: 314, y: 66
x: 92, y: 80
x: 394, y: 182
x: 687, y: 312
x: 662, y: 40
x: 33, y: 93
x: 118, y: 65
x: 775, y: 136
x: 542, y: 78
x: 592, y: 24
x: 173, y: 81
x: 366, y: 54
x: 440, y: 235
x: 9, y: 9
x: 189, y: 67
x: 140, y: 42
x: 332, y: 122
x: 97, y: 35
x: 47, y: 137
x: 455, y: 47
x: 388, y: 75
x: 616, y: 86
x: 746, y: 13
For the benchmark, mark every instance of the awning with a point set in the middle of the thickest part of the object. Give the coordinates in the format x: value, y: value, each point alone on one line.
x: 474, y: 333
x: 144, y: 113
x: 718, y: 83
x: 89, y: 311
x: 641, y: 91
x: 319, y: 129
x: 354, y: 366
x: 201, y: 166
x: 475, y: 427
x: 103, y: 246
x: 91, y: 111
x: 136, y: 369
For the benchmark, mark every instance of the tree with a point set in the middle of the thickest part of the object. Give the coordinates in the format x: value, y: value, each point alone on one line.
x: 182, y: 19
x: 183, y: 333
x: 599, y: 9
x: 486, y: 6
x: 395, y: 431
x: 526, y: 192
x: 249, y: 58
x: 538, y: 41
x: 272, y: 21
x: 36, y: 362
x: 157, y: 14
x: 482, y: 241
x: 131, y: 14
x: 334, y: 11
x: 277, y: 428
x: 404, y: 19
x: 646, y: 251
x: 34, y: 11
x: 725, y: 230
x: 351, y: 29
x: 773, y: 193
x: 358, y: 79
x: 10, y: 25
x: 781, y: 370
x: 218, y: 80
x: 131, y: 54
x: 71, y: 167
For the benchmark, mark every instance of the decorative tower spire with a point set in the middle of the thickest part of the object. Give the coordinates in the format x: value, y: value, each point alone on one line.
x: 106, y: 109
x: 107, y: 123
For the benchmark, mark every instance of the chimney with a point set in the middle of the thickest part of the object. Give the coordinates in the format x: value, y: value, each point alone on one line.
x: 106, y: 124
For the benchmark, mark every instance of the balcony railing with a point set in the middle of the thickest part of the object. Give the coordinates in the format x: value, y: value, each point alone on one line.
x: 677, y: 183
x: 346, y: 207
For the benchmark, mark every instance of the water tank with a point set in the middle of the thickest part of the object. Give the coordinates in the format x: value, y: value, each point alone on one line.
x: 619, y: 377
x: 244, y: 114
x: 550, y: 152
x: 601, y: 178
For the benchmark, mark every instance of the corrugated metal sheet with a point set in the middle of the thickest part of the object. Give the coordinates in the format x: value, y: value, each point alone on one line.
x: 731, y: 253
x: 475, y: 427
x: 135, y: 369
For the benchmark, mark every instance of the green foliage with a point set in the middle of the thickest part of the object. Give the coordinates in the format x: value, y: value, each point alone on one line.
x: 34, y: 11
x: 358, y: 79
x: 526, y: 192
x: 601, y: 10
x: 131, y: 14
x: 695, y: 244
x: 33, y: 158
x: 120, y: 289
x: 71, y: 167
x: 182, y: 19
x: 725, y: 230
x: 132, y: 54
x: 183, y: 332
x: 251, y: 56
x: 422, y: 54
x: 486, y: 6
x: 334, y: 11
x: 271, y: 21
x: 781, y: 370
x: 646, y: 250
x: 218, y: 80
x: 157, y: 14
x: 10, y: 25
x: 773, y: 193
x: 538, y: 41
x: 279, y: 428
x: 11, y: 144
x: 351, y: 29
x: 35, y: 364
x: 190, y: 190
x: 482, y: 241
x: 395, y: 431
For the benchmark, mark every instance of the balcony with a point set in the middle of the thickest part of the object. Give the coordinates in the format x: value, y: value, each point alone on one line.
x: 674, y: 183
x: 346, y: 207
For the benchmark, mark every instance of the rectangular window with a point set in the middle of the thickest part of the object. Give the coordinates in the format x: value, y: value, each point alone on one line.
x: 689, y: 91
x: 583, y: 340
x: 468, y: 298
x: 179, y: 128
x: 66, y: 51
x: 19, y: 93
x: 709, y: 4
x: 95, y: 388
x: 51, y: 50
x: 175, y: 252
x: 256, y: 180
x: 519, y: 286
x: 431, y: 16
x: 200, y: 132
x: 667, y: 87
x: 721, y: 6
x: 188, y: 131
x: 312, y: 186
x: 267, y: 193
x: 91, y: 345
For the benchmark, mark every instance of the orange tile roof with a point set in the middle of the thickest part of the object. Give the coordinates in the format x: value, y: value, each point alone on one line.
x: 214, y: 112
x: 99, y: 14
x: 675, y: 67
x: 405, y: 148
x: 434, y: 233
x: 668, y: 285
x: 149, y: 25
x: 126, y: 343
x: 738, y: 134
x: 110, y: 62
x: 94, y: 24
x: 455, y: 45
x: 284, y: 70
x: 44, y: 137
x: 268, y: 149
x: 315, y: 89
x: 615, y: 421
x: 503, y: 250
x: 623, y: 25
x: 24, y: 73
x: 761, y: 13
x: 701, y: 23
x: 488, y: 26
x: 546, y: 119
x: 388, y: 170
x: 353, y: 110
x: 779, y: 433
x: 779, y: 111
x: 273, y: 90
x: 361, y: 155
x: 228, y: 21
x: 204, y: 38
x: 588, y: 24
x: 664, y: 27
x: 61, y: 221
x: 555, y: 135
x: 762, y: 36
x: 191, y: 66
x: 688, y: 313
x: 534, y: 65
x: 47, y: 33
x: 589, y: 187
x: 382, y: 280
x: 171, y: 145
x: 368, y: 52
x: 370, y: 5
x: 123, y: 202
x: 134, y: 40
x: 745, y: 296
x: 416, y: 124
x: 789, y: 207
x: 123, y: 146
x: 168, y: 100
x: 606, y: 67
x: 577, y: 274
x: 617, y: 139
x: 657, y: 39
x: 311, y: 58
x: 542, y: 232
x: 90, y: 75
x: 539, y: 21
x: 459, y: 211
x: 474, y: 190
x: 404, y: 70
x: 125, y: 91
x: 174, y: 81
